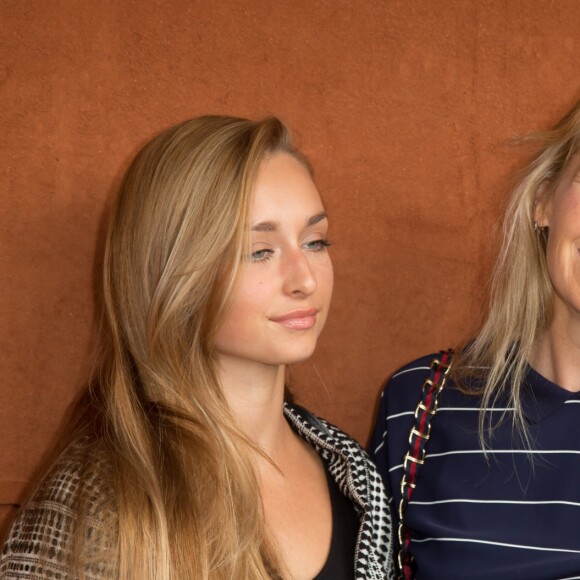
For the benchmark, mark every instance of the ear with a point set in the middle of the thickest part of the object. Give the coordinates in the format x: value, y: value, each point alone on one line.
x: 542, y: 207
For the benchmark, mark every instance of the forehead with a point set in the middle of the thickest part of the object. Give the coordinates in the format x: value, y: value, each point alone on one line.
x: 284, y: 187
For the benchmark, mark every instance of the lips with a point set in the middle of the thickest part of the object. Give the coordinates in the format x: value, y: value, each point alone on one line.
x: 297, y: 319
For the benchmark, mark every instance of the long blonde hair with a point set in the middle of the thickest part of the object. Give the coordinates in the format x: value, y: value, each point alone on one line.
x: 521, y: 301
x: 186, y: 497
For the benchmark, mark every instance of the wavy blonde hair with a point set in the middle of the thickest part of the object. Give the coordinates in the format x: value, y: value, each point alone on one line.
x: 186, y: 497
x: 521, y: 301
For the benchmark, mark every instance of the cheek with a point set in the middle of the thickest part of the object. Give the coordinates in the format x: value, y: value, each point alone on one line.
x: 326, y: 278
x: 325, y: 284
x: 235, y: 328
x: 247, y: 308
x: 555, y: 258
x: 563, y: 261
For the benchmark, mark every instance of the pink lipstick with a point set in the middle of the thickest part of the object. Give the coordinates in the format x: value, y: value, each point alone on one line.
x: 297, y: 319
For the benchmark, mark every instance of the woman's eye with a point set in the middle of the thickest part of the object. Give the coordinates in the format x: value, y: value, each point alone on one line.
x: 318, y: 245
x: 262, y: 255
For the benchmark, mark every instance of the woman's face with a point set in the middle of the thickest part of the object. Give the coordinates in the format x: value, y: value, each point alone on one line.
x: 561, y: 214
x: 282, y: 297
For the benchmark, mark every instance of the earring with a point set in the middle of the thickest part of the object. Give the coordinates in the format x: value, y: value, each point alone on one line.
x: 540, y: 230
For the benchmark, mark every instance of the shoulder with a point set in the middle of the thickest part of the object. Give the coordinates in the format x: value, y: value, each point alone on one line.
x: 79, y: 474
x: 408, y: 374
x: 403, y: 389
x: 398, y: 402
x: 40, y: 541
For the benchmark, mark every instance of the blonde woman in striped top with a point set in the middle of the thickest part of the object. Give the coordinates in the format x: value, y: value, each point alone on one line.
x: 498, y: 494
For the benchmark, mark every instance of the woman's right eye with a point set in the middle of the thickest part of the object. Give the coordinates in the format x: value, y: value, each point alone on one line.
x: 262, y: 255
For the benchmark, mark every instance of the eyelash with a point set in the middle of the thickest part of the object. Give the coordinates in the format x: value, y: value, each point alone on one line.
x: 266, y: 254
x: 261, y: 255
x: 320, y: 245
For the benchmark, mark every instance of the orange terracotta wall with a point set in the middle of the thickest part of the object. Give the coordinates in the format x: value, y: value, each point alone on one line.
x: 404, y: 106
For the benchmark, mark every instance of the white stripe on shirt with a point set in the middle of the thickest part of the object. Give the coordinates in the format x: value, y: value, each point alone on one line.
x: 410, y: 371
x: 497, y: 501
x: 496, y: 451
x: 426, y: 369
x: 476, y: 409
x: 504, y: 544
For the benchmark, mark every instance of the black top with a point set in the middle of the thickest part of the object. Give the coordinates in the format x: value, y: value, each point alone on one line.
x: 345, y: 525
x: 512, y: 514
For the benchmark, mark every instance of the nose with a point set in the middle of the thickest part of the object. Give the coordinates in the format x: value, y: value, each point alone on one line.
x: 299, y: 279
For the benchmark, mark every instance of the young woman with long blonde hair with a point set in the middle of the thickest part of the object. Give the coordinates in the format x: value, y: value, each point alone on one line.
x: 497, y: 483
x: 187, y: 460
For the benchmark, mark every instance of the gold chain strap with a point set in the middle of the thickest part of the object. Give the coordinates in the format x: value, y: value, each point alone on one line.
x: 415, y: 456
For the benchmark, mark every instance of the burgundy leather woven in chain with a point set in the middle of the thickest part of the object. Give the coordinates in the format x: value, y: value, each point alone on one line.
x: 415, y: 457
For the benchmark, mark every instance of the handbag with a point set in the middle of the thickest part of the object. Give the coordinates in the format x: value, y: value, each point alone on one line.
x: 415, y: 456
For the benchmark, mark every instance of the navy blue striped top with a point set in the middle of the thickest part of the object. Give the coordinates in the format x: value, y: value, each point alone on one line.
x: 514, y: 515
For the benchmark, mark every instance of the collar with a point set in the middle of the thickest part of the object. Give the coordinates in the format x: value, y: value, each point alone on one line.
x: 541, y: 397
x: 328, y: 440
x: 342, y: 453
x: 358, y: 480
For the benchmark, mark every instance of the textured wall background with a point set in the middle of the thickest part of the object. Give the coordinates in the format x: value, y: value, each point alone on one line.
x: 404, y: 106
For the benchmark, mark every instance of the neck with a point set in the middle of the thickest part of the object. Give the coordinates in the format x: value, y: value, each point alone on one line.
x: 556, y: 354
x: 255, y: 395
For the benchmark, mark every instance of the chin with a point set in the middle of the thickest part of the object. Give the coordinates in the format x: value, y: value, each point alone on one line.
x: 299, y: 359
x: 297, y: 356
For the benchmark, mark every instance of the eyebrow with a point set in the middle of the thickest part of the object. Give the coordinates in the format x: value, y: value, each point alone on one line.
x: 273, y: 226
x: 317, y: 218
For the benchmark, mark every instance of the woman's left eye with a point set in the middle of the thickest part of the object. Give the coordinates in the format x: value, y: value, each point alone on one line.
x: 318, y: 245
x: 262, y: 255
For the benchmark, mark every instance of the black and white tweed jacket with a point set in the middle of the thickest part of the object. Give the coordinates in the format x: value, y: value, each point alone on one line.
x: 38, y: 543
x: 358, y: 479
